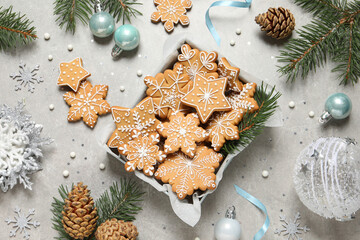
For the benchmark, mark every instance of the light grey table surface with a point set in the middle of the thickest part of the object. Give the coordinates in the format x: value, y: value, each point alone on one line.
x: 275, y: 150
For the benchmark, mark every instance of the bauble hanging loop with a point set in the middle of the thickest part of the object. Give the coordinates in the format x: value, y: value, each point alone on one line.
x: 101, y: 23
x: 228, y: 228
x: 127, y: 38
x: 337, y: 106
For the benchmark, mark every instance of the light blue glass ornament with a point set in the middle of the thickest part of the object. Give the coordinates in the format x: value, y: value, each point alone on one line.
x: 337, y: 106
x: 228, y: 228
x: 126, y: 38
x: 102, y: 24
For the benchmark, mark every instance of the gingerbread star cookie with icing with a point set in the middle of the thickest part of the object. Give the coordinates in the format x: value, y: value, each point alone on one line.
x: 232, y: 73
x: 142, y: 153
x: 223, y: 126
x: 207, y: 96
x: 87, y: 103
x: 72, y: 73
x: 186, y: 174
x: 182, y: 133
x: 198, y: 62
x: 167, y: 89
x: 142, y: 118
x: 171, y: 12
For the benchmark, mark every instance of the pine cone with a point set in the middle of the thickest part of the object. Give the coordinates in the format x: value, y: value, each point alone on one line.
x: 116, y: 230
x: 278, y: 22
x: 79, y: 215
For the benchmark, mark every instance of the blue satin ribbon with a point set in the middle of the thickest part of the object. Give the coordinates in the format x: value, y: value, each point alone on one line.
x: 259, y: 205
x: 222, y: 4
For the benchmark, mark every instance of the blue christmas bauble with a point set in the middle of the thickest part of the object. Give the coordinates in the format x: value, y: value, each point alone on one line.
x: 338, y: 105
x: 127, y: 37
x: 102, y: 24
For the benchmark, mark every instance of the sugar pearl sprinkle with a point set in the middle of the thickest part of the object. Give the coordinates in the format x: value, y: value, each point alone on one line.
x: 139, y: 73
x: 311, y: 114
x: 197, y: 238
x: 70, y: 47
x: 265, y: 174
x: 72, y: 154
x: 50, y: 57
x: 232, y: 43
x: 51, y: 107
x: 66, y: 173
x: 291, y: 104
x: 238, y: 31
x: 102, y: 166
x: 46, y: 36
x: 122, y: 88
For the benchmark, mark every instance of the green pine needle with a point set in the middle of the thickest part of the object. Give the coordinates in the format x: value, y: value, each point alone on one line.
x: 253, y: 124
x: 69, y: 11
x: 122, y: 9
x: 334, y: 33
x: 14, y: 29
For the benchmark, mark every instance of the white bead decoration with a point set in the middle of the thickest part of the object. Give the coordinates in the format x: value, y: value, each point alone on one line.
x: 291, y: 104
x: 197, y: 238
x: 50, y: 57
x: 72, y: 154
x: 51, y: 107
x: 66, y: 173
x: 238, y: 31
x: 70, y: 47
x: 122, y: 88
x: 265, y: 174
x: 102, y: 166
x: 46, y: 36
x: 232, y: 43
x: 139, y: 73
x: 311, y: 114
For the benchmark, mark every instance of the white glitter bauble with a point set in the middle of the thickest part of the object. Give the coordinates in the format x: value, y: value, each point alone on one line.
x: 327, y: 177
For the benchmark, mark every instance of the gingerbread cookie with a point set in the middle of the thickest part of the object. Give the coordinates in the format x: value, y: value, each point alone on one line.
x: 142, y: 118
x: 198, y: 62
x: 171, y: 12
x: 72, y: 73
x: 167, y: 89
x: 244, y: 101
x: 182, y: 133
x: 186, y: 174
x: 87, y: 103
x: 207, y: 96
x: 142, y: 153
x: 232, y: 73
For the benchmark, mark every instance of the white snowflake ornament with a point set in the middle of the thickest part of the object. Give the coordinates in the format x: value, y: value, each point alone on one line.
x: 22, y: 222
x: 291, y: 228
x: 26, y: 77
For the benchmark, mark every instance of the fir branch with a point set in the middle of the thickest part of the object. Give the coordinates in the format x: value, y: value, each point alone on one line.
x: 333, y: 33
x: 14, y: 28
x: 120, y: 202
x: 253, y: 124
x: 71, y: 10
x: 122, y: 9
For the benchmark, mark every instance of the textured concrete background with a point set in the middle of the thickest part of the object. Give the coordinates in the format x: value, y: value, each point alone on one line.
x: 253, y: 52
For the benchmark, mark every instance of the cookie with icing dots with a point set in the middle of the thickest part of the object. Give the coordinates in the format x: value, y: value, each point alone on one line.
x: 182, y: 133
x: 198, y: 62
x: 72, y: 73
x: 166, y: 89
x: 171, y: 12
x: 142, y: 118
x: 232, y: 73
x: 142, y: 153
x: 207, y: 96
x: 187, y: 175
x: 87, y: 103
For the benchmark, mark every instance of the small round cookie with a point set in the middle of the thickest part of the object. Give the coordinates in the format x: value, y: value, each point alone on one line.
x: 182, y: 133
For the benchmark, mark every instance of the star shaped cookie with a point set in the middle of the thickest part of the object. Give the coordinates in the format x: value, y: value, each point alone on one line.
x: 72, y: 73
x: 167, y: 89
x: 186, y: 174
x: 182, y: 133
x: 207, y: 96
x: 171, y: 12
x: 141, y: 118
x: 87, y: 103
x: 232, y: 73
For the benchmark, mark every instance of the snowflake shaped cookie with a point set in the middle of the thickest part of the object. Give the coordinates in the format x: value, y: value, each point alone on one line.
x: 72, y: 73
x: 26, y: 77
x: 167, y: 89
x: 142, y: 153
x: 232, y: 73
x: 207, y: 96
x: 87, y: 103
x: 291, y: 228
x: 198, y: 62
x: 186, y: 174
x: 142, y: 118
x: 244, y: 101
x: 22, y: 223
x: 171, y: 12
x: 182, y: 133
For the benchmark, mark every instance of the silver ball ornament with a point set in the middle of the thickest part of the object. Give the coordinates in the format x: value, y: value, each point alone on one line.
x: 228, y: 228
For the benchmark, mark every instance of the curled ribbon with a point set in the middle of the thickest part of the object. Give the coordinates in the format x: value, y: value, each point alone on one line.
x: 259, y: 205
x: 222, y: 4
